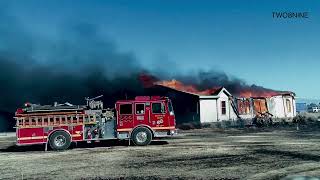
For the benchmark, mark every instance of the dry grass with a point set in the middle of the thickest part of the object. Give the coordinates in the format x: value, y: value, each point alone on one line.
x: 194, y: 154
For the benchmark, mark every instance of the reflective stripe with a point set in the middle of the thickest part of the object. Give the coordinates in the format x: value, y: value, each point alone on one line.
x: 76, y: 135
x: 127, y: 129
x: 34, y: 137
x: 171, y: 127
x: 43, y: 137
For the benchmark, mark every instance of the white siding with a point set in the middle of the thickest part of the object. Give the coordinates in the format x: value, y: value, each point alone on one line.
x: 233, y: 115
x: 221, y: 116
x: 211, y: 110
x: 294, y: 107
x: 291, y: 101
x: 277, y: 106
x: 208, y: 110
x: 230, y: 114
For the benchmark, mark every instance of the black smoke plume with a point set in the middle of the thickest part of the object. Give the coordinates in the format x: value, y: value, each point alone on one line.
x: 77, y: 64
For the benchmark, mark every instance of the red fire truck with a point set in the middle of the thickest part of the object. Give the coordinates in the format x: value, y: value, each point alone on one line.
x: 139, y: 120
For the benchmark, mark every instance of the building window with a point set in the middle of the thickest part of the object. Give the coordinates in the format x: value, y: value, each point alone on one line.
x: 243, y: 106
x: 140, y: 109
x: 158, y: 108
x: 260, y: 106
x: 288, y: 105
x: 125, y: 108
x: 223, y: 107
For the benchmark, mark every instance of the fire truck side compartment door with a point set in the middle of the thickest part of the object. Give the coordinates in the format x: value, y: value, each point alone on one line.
x: 125, y: 115
x: 141, y: 114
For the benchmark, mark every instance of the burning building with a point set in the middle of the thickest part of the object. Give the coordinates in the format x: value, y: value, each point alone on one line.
x: 218, y: 104
x: 194, y: 105
x: 277, y: 106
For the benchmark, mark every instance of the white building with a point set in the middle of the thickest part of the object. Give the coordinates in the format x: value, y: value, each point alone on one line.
x: 217, y: 107
x: 222, y: 106
x: 282, y: 106
x: 279, y: 106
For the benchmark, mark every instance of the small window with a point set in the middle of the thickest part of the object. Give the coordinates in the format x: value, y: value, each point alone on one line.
x: 140, y: 109
x: 289, y: 105
x: 33, y: 121
x: 51, y: 120
x: 223, y: 107
x: 125, y: 108
x: 20, y: 122
x: 158, y: 108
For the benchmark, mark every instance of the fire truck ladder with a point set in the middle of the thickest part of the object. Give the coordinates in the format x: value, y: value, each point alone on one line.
x: 44, y: 120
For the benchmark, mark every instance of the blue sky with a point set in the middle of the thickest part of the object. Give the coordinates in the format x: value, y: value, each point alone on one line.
x: 240, y: 38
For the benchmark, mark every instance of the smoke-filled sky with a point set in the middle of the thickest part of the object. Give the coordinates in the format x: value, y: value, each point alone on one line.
x: 240, y: 38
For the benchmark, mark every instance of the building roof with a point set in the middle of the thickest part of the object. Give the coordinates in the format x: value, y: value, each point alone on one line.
x: 212, y: 93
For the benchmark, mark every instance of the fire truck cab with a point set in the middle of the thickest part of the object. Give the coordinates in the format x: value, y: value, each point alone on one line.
x: 139, y: 120
x: 144, y: 118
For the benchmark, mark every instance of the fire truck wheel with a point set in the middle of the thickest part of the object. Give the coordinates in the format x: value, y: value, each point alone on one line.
x: 141, y: 136
x: 60, y: 140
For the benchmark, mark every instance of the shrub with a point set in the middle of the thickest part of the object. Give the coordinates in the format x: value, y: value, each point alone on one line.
x: 188, y: 126
x: 226, y: 124
x: 206, y: 125
x: 300, y: 119
x: 312, y: 119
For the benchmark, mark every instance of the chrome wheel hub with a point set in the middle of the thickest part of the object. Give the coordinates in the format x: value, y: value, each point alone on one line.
x: 60, y: 140
x: 142, y: 137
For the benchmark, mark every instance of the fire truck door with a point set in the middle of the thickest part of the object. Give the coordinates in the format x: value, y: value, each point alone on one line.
x: 141, y: 113
x: 125, y: 115
x: 158, y: 114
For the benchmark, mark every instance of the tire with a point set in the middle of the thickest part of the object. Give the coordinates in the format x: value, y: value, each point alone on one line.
x: 141, y: 136
x: 60, y: 140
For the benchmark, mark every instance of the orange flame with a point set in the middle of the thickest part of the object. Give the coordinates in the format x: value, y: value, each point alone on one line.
x: 177, y: 85
x: 242, y: 92
x: 247, y: 93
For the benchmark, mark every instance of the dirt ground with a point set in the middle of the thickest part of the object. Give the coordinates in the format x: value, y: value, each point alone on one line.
x: 193, y: 154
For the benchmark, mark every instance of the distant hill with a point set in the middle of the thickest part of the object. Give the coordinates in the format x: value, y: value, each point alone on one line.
x: 307, y: 100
